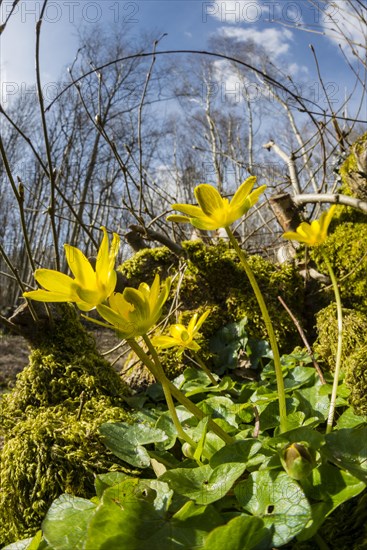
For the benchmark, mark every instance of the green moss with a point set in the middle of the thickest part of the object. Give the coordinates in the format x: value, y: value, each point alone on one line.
x: 346, y: 248
x: 47, y: 453
x: 353, y: 172
x: 356, y: 378
x: 354, y: 334
x: 354, y: 351
x: 143, y: 266
x: 211, y: 277
x: 47, y: 450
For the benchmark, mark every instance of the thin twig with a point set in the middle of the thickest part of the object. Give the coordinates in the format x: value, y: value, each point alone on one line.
x: 304, y: 339
x: 51, y: 208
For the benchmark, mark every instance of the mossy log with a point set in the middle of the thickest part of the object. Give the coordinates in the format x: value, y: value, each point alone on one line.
x: 49, y: 422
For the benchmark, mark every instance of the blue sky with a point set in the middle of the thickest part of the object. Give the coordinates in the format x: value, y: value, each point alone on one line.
x: 188, y: 24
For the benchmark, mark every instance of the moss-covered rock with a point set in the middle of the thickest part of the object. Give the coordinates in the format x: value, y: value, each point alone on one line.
x: 354, y: 334
x: 50, y: 421
x: 211, y: 277
x: 346, y: 249
x: 354, y: 351
x: 356, y: 378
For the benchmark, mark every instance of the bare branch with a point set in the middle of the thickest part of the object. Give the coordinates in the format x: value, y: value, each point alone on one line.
x: 332, y: 198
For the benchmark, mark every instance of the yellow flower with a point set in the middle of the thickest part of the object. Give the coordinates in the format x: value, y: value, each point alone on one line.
x: 134, y: 312
x: 214, y: 211
x: 315, y: 233
x: 90, y: 287
x: 181, y: 336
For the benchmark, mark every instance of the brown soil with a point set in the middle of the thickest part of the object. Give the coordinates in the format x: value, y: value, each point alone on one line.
x: 14, y: 352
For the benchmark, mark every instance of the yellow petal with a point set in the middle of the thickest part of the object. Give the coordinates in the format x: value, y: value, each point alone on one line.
x: 47, y: 296
x: 194, y: 346
x: 55, y: 281
x: 91, y: 297
x: 292, y: 236
x: 203, y: 318
x: 80, y: 266
x: 115, y: 245
x: 177, y: 219
x: 164, y: 342
x: 242, y: 192
x: 206, y: 223
x: 208, y: 198
x: 163, y: 296
x: 125, y: 329
x: 189, y: 209
x: 141, y: 306
x: 192, y: 323
x: 325, y: 220
x: 110, y: 285
x: 154, y: 292
x: 84, y: 306
x: 254, y: 196
x: 120, y: 305
x: 177, y: 331
x: 102, y: 263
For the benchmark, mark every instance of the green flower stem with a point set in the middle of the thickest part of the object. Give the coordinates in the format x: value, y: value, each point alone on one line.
x: 177, y: 394
x: 203, y: 366
x: 334, y: 391
x: 269, y: 328
x: 167, y: 393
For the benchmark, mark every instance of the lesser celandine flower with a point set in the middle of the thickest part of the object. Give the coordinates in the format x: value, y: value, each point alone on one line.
x: 215, y: 211
x: 181, y: 336
x: 315, y: 233
x: 135, y: 311
x: 90, y: 286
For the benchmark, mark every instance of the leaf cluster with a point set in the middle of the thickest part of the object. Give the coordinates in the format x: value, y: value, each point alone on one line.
x: 218, y: 496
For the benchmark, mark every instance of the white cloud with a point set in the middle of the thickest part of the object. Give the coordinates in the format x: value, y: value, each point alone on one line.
x: 274, y: 41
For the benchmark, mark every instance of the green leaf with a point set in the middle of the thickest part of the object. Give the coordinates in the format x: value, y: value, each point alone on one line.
x: 130, y: 521
x: 350, y: 420
x: 299, y: 376
x: 242, y: 532
x: 35, y: 543
x: 126, y: 441
x: 204, y: 484
x: 278, y: 500
x: 220, y: 407
x: 226, y: 343
x: 200, y: 447
x: 347, y: 448
x: 331, y: 487
x: 269, y: 413
x: 165, y: 424
x: 240, y: 451
x: 65, y: 524
x: 312, y: 437
x: 103, y: 481
x: 312, y: 402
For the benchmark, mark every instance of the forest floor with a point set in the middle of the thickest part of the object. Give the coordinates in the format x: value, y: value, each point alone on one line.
x: 14, y: 352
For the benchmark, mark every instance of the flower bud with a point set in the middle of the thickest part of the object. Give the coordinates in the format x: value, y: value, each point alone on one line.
x: 298, y: 460
x: 188, y: 450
